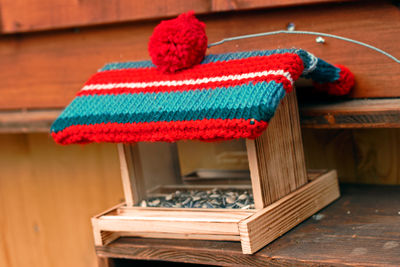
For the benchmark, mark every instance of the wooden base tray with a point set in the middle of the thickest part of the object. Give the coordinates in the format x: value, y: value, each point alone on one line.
x: 253, y: 228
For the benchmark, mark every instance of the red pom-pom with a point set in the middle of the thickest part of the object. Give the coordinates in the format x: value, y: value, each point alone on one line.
x: 178, y: 43
x: 340, y: 87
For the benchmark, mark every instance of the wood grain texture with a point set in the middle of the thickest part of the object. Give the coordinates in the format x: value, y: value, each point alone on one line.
x: 276, y: 158
x: 360, y: 156
x: 276, y: 219
x: 48, y: 194
x: 165, y: 225
x: 131, y: 173
x: 32, y: 15
x: 209, y: 224
x: 360, y: 113
x: 359, y: 229
x: 345, y: 114
x: 183, y: 214
x: 27, y: 121
x: 45, y: 70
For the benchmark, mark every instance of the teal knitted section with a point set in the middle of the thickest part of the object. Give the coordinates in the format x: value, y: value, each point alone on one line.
x: 258, y: 101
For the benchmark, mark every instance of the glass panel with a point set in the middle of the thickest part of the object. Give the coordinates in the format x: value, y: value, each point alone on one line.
x: 193, y: 174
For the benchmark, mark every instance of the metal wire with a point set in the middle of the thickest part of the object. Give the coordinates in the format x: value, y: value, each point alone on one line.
x: 306, y: 33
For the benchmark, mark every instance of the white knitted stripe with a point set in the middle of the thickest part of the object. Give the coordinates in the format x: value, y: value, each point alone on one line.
x: 190, y: 81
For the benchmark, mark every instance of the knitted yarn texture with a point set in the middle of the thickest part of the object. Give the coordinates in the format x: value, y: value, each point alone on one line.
x: 227, y: 96
x: 178, y: 43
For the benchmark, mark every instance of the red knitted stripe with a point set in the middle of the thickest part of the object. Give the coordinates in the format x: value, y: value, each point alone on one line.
x: 291, y: 63
x: 287, y: 85
x: 206, y: 130
x: 341, y: 86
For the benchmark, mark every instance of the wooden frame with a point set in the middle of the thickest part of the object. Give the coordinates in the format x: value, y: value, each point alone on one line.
x: 283, y: 194
x: 253, y: 228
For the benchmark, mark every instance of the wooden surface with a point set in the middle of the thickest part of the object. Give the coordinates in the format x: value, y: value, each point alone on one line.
x: 45, y: 70
x: 344, y: 114
x: 360, y: 156
x: 34, y: 15
x: 27, y: 121
x: 276, y: 158
x: 48, y: 193
x: 363, y: 113
x: 131, y: 173
x: 359, y: 229
x: 281, y: 216
x: 181, y: 223
x: 256, y: 228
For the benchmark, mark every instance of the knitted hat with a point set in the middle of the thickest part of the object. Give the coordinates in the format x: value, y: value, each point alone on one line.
x: 226, y: 96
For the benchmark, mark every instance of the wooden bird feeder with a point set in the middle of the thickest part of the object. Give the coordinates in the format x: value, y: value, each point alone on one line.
x: 227, y: 96
x: 284, y: 193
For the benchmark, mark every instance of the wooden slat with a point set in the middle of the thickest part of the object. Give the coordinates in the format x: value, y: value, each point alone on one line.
x: 359, y: 229
x: 186, y: 214
x: 256, y: 175
x: 27, y: 121
x: 167, y: 223
x: 281, y: 216
x: 34, y: 15
x: 347, y: 114
x: 131, y: 173
x: 365, y: 113
x: 45, y: 70
x: 220, y: 237
x: 125, y: 223
x: 276, y: 158
x: 101, y: 237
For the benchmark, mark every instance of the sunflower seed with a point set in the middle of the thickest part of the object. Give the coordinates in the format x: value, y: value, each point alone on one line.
x: 169, y: 197
x: 242, y: 197
x: 230, y: 200
x: 215, y: 198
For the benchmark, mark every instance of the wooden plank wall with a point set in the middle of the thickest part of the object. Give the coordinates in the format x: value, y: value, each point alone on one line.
x: 48, y: 194
x: 46, y: 69
x: 33, y: 15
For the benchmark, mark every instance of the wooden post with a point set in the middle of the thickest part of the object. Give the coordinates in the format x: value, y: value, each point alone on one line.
x: 146, y: 165
x: 276, y: 158
x: 131, y: 173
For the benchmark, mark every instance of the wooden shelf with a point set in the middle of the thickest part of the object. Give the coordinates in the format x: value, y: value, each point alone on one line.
x: 357, y: 113
x: 365, y: 113
x: 27, y: 121
x: 361, y: 228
